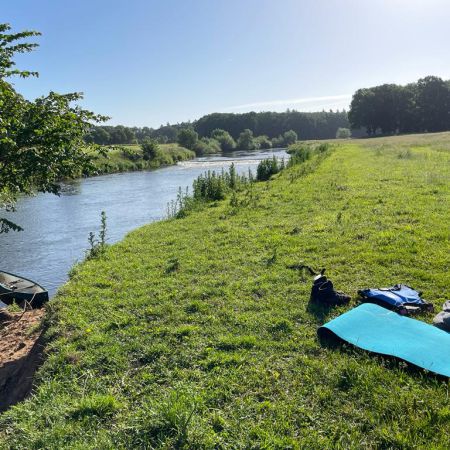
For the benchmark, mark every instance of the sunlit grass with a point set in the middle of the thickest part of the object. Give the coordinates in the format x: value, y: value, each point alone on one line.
x: 221, y: 351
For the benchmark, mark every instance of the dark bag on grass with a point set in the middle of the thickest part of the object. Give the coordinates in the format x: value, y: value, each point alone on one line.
x: 399, y: 298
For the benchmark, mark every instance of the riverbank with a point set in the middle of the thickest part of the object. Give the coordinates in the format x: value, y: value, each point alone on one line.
x: 127, y: 158
x: 194, y: 333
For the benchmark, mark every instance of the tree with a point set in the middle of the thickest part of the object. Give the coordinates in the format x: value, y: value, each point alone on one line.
x: 361, y: 112
x: 290, y: 137
x: 98, y: 135
x: 246, y: 141
x: 187, y: 138
x: 169, y: 131
x: 121, y: 135
x: 343, y: 133
x: 162, y: 139
x: 433, y: 103
x: 150, y: 149
x: 226, y: 141
x: 421, y: 106
x: 263, y: 142
x: 41, y: 141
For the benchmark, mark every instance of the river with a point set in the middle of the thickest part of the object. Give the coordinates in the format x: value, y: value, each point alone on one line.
x: 56, y: 228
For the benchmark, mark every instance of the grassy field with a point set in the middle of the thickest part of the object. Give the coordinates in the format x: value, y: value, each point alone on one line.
x: 125, y: 158
x: 194, y: 333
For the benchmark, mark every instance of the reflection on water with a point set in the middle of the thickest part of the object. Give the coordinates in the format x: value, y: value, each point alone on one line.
x: 71, y: 188
x: 56, y: 228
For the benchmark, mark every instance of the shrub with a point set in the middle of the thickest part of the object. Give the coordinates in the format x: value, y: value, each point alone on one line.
x: 150, y: 149
x: 267, y: 168
x: 132, y: 154
x: 263, y: 142
x: 206, y: 146
x: 225, y: 140
x: 209, y: 186
x: 299, y: 154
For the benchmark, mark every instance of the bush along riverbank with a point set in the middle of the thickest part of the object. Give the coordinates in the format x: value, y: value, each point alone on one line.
x: 194, y: 332
x: 213, y: 186
x: 128, y: 158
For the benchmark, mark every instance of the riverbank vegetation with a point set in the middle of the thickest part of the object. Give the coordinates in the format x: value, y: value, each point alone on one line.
x: 127, y: 158
x: 195, y: 332
x: 221, y: 141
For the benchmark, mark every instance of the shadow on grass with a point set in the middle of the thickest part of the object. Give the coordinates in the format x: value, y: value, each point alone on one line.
x: 318, y: 310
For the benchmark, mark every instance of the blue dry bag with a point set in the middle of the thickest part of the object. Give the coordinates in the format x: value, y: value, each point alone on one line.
x: 400, y: 298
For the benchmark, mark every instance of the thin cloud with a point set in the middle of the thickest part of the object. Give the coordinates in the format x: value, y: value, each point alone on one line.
x: 292, y: 101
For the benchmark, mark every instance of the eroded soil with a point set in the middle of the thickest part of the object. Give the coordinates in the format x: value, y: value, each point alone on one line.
x: 20, y: 354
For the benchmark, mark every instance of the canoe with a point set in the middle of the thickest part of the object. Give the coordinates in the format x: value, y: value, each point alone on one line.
x: 13, y: 287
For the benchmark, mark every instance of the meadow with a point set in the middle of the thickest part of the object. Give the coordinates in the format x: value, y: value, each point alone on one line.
x: 194, y: 333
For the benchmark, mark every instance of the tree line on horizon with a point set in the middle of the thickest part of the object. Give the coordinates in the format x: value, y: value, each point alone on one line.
x: 423, y: 106
x: 265, y: 126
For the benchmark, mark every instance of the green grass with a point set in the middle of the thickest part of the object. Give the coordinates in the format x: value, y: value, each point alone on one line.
x: 116, y: 159
x: 221, y: 351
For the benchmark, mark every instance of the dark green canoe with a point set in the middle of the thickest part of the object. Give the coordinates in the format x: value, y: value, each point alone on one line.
x: 13, y: 287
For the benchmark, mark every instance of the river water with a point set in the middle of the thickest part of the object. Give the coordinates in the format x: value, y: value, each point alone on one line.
x: 56, y: 228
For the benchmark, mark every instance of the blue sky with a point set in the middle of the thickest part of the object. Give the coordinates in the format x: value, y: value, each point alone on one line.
x: 148, y: 62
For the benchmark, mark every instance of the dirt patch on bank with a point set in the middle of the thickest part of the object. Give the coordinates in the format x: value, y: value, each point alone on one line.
x: 20, y: 354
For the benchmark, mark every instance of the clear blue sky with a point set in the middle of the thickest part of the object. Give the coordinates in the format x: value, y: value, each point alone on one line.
x: 148, y: 62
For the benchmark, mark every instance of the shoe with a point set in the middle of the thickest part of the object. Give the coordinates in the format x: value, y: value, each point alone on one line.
x: 323, y: 292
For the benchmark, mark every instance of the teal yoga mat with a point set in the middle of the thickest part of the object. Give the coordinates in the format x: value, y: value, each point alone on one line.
x: 379, y: 330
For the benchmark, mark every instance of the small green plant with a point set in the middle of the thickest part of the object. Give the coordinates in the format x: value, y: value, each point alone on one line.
x: 234, y: 203
x: 172, y: 265
x: 14, y: 308
x: 100, y: 406
x: 97, y: 247
x: 180, y: 206
x: 281, y: 326
x: 173, y: 418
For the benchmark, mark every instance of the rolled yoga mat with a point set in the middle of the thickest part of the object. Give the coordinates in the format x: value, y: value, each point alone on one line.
x: 379, y: 330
